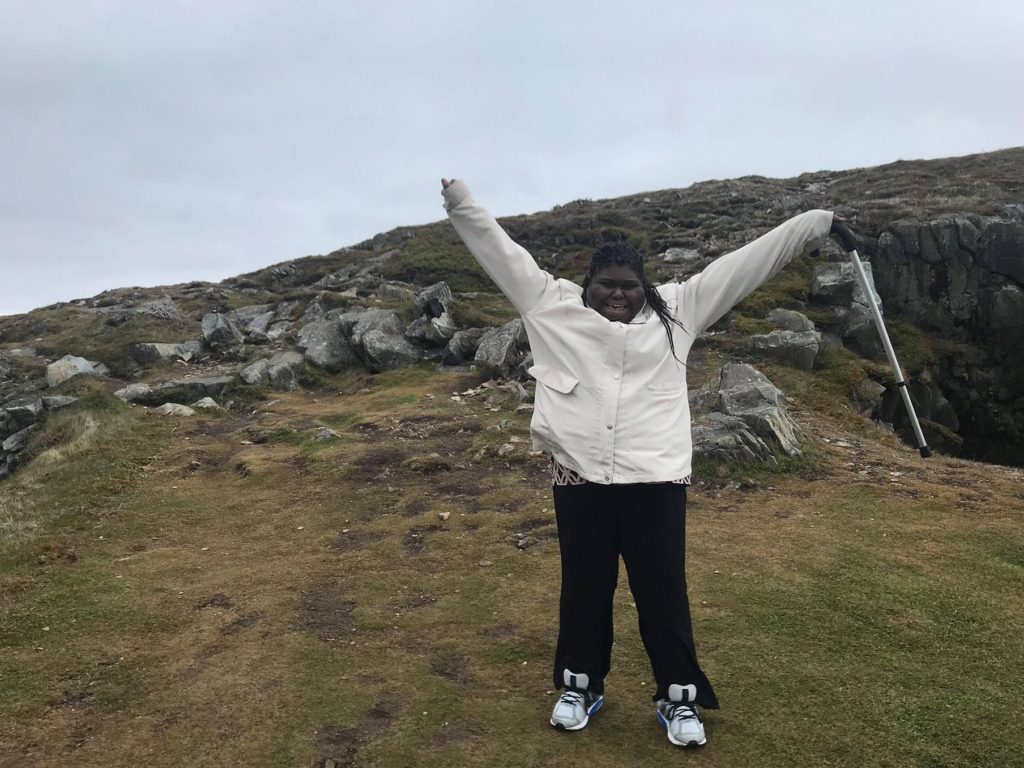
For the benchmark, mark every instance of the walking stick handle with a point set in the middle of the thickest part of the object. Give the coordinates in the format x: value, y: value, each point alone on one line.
x: 845, y: 235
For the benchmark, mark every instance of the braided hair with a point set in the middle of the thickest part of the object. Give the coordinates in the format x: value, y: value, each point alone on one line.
x: 621, y: 254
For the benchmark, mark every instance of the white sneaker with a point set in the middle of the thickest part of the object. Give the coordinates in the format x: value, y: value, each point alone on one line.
x: 576, y: 704
x: 678, y: 716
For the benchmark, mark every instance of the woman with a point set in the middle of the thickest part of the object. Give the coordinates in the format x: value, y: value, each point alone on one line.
x: 611, y: 408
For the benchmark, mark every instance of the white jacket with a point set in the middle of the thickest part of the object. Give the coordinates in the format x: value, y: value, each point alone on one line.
x: 611, y: 400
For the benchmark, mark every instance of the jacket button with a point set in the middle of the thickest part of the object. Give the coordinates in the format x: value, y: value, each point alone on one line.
x: 615, y: 376
x: 610, y: 426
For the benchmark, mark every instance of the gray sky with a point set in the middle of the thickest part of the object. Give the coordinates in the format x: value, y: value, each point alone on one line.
x: 146, y: 143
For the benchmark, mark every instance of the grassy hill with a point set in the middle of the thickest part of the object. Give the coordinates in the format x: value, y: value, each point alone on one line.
x: 234, y: 589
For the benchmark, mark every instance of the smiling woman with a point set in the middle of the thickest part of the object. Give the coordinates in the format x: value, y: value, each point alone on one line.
x: 612, y: 410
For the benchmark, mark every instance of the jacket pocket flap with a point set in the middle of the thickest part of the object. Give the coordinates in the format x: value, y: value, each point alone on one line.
x: 560, y: 381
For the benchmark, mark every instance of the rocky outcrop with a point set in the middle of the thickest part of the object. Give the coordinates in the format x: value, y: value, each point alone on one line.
x: 19, y: 417
x: 326, y: 345
x: 748, y: 421
x: 277, y: 372
x: 176, y: 390
x: 220, y: 332
x: 500, y: 349
x: 68, y: 367
x: 462, y: 346
x: 799, y: 349
x: 962, y: 279
x: 378, y: 338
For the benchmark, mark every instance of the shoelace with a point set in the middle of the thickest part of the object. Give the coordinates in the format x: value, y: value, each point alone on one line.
x: 682, y: 712
x: 572, y: 698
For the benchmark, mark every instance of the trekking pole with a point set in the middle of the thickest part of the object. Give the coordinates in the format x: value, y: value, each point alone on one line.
x: 845, y: 235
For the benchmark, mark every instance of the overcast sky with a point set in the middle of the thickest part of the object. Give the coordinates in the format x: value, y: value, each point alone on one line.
x: 147, y: 143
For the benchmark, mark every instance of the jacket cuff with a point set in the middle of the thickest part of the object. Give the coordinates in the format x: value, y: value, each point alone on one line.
x: 456, y: 192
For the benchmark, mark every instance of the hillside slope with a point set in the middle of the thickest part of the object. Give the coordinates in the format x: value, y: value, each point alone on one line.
x: 363, y: 571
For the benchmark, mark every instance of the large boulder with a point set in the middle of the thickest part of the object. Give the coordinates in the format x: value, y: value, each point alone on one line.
x: 462, y: 346
x: 796, y: 348
x: 433, y: 301
x: 728, y: 440
x: 746, y: 393
x: 788, y: 320
x: 500, y: 348
x: 66, y: 368
x: 325, y: 345
x: 145, y: 352
x: 432, y: 330
x: 278, y: 372
x: 836, y: 284
x: 378, y: 337
x: 220, y: 332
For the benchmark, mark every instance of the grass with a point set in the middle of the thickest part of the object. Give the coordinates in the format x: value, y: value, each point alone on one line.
x: 315, y: 606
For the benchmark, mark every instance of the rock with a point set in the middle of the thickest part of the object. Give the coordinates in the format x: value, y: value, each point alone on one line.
x: 747, y: 393
x: 5, y: 369
x: 278, y: 331
x: 836, y: 283
x: 378, y: 337
x: 727, y: 439
x: 788, y: 320
x: 19, y: 413
x: 433, y: 301
x: 500, y: 348
x: 867, y: 396
x: 220, y: 332
x: 283, y: 370
x: 462, y: 346
x: 258, y: 326
x: 434, y: 330
x: 145, y: 352
x: 17, y: 442
x: 325, y: 434
x: 680, y: 256
x: 255, y: 374
x: 384, y: 351
x: 174, y: 409
x: 326, y: 346
x: 134, y: 393
x: 244, y: 316
x: 796, y: 348
x: 66, y: 368
x: 53, y: 402
x: 394, y: 291
x: 286, y: 310
x: 206, y: 404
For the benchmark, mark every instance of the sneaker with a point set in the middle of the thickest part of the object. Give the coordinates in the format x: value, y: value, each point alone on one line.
x: 576, y: 704
x: 678, y: 716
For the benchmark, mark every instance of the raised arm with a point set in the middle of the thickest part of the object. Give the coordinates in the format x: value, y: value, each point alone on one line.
x: 507, y: 263
x: 725, y: 282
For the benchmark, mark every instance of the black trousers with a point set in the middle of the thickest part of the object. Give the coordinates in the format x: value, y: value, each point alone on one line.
x: 646, y: 524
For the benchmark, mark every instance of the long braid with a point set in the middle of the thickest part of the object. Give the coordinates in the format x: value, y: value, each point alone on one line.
x: 623, y: 255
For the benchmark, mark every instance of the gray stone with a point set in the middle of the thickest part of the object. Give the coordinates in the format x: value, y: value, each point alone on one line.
x: 325, y: 434
x: 220, y: 332
x: 680, y: 256
x: 385, y: 351
x: 255, y: 374
x: 145, y: 352
x: 788, y: 320
x: 283, y: 370
x: 462, y: 346
x: 66, y: 368
x: 728, y: 440
x: 279, y: 330
x: 5, y: 369
x: 746, y: 393
x: 53, y: 402
x: 836, y: 283
x: 326, y: 346
x: 500, y: 348
x: 134, y: 393
x: 174, y: 409
x: 867, y: 396
x: 17, y: 442
x: 433, y: 301
x: 742, y: 386
x: 432, y: 330
x: 286, y: 310
x: 206, y: 404
x: 394, y: 291
x: 796, y: 348
x: 243, y: 316
x: 259, y: 324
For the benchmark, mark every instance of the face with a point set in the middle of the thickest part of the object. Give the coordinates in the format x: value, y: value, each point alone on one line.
x: 617, y: 293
